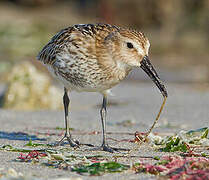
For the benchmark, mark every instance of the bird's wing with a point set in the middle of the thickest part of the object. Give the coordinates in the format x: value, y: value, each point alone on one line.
x: 48, y: 54
x: 67, y: 37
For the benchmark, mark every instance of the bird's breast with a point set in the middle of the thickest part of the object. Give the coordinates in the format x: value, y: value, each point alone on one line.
x: 85, y: 75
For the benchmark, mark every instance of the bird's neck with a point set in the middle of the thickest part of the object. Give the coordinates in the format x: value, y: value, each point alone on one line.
x: 122, y: 70
x: 118, y: 71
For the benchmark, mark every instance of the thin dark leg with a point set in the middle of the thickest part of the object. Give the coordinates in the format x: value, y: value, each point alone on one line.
x: 105, y: 147
x: 67, y: 136
x: 103, y: 113
x: 66, y: 102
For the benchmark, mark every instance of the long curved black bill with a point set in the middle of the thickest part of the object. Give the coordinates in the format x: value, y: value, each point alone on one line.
x: 150, y: 71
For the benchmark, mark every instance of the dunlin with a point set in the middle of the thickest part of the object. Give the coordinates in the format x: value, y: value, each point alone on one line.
x: 94, y: 58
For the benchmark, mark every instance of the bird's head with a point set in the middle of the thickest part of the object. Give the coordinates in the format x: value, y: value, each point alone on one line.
x: 129, y: 49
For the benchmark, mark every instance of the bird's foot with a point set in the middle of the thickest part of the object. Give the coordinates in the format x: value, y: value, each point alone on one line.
x: 107, y: 148
x: 72, y: 142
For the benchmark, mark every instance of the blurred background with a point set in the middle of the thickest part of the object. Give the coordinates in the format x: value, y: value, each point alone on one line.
x: 178, y: 32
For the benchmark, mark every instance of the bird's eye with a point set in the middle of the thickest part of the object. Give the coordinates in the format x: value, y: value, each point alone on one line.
x: 130, y: 45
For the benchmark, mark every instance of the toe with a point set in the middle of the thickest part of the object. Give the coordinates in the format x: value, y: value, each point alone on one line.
x: 73, y: 143
x: 107, y: 149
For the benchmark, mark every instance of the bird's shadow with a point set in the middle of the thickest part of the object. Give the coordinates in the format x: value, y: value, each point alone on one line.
x: 19, y: 136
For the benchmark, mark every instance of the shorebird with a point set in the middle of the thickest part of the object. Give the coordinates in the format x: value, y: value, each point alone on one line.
x: 94, y: 58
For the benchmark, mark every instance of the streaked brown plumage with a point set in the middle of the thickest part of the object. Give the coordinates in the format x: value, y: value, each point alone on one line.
x: 94, y: 58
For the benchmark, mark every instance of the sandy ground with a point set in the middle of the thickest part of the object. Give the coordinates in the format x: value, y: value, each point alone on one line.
x: 186, y: 108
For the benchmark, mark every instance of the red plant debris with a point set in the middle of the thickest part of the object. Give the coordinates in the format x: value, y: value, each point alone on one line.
x: 139, y: 137
x: 31, y: 155
x: 177, y: 167
x: 148, y: 168
x: 93, y: 133
x: 191, y: 152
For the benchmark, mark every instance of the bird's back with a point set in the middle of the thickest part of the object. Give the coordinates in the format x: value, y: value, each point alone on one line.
x: 75, y: 36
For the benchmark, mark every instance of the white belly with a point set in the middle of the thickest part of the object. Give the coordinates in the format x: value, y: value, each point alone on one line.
x: 89, y: 87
